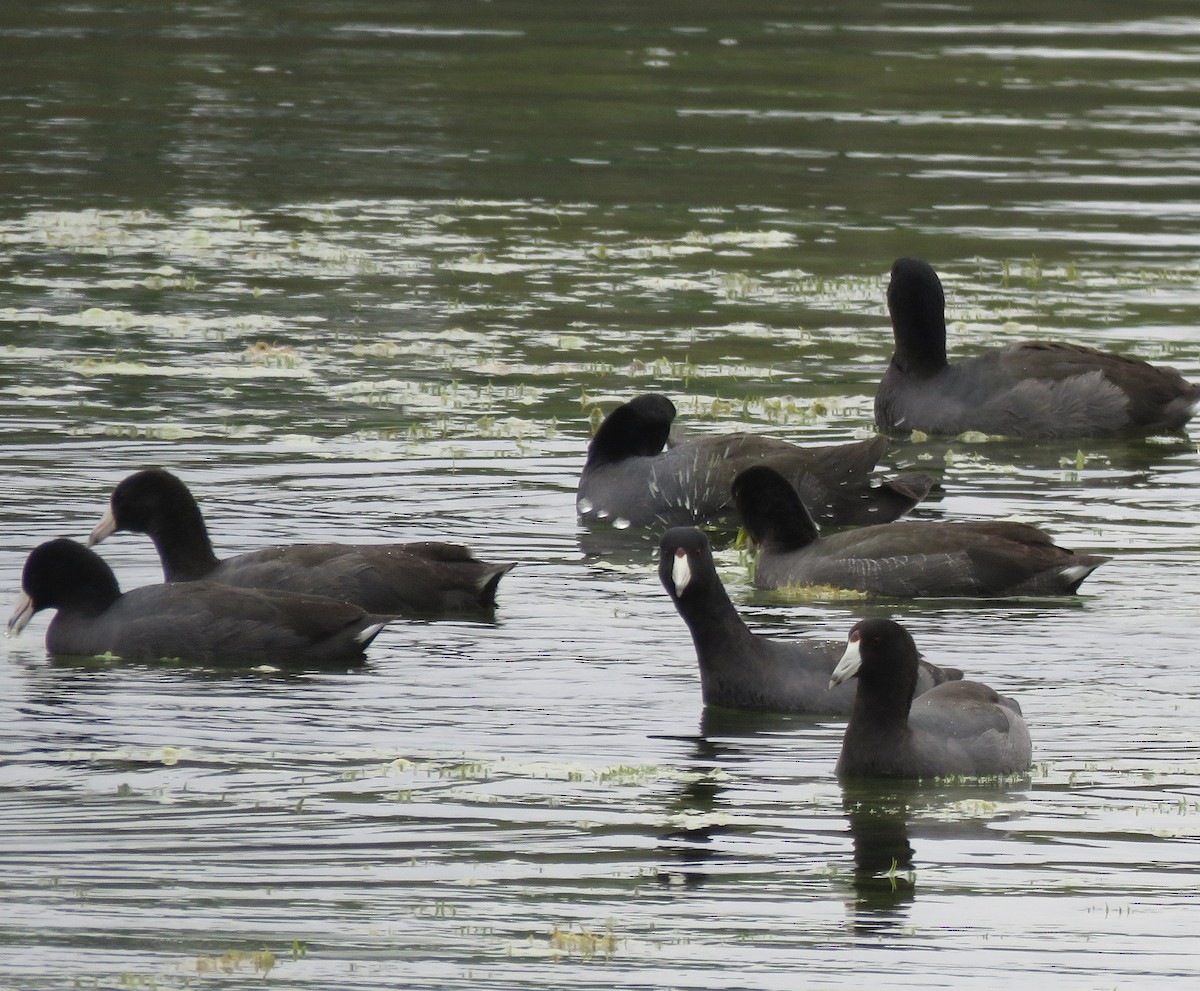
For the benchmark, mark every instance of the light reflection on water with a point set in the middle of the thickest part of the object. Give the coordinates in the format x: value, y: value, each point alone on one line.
x: 407, y: 345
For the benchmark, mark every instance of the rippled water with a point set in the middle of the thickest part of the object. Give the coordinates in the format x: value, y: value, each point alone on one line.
x: 368, y: 272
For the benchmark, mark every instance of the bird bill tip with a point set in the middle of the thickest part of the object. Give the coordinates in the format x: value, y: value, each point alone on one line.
x: 105, y: 528
x: 21, y: 615
x: 848, y: 666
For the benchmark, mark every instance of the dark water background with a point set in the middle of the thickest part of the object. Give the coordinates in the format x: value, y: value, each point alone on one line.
x: 364, y: 270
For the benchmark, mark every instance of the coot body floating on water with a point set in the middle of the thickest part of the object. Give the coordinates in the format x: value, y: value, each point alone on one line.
x: 1034, y: 389
x: 630, y: 480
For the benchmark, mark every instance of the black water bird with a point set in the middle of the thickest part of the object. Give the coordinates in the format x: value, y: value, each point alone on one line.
x: 905, y: 558
x: 197, y: 622
x: 956, y: 728
x: 740, y: 669
x: 1035, y: 389
x: 427, y: 578
x: 630, y: 480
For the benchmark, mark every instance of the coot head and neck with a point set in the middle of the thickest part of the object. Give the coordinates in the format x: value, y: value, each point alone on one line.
x: 638, y: 428
x: 689, y: 574
x: 882, y: 655
x: 158, y: 504
x: 771, y: 510
x: 61, y: 574
x: 918, y: 309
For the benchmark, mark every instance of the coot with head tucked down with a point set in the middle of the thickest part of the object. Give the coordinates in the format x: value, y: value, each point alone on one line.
x: 905, y: 558
x: 630, y: 480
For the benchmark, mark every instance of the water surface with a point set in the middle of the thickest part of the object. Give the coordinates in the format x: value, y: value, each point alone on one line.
x: 368, y: 271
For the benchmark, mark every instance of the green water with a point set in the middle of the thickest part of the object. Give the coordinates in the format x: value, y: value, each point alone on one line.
x: 365, y: 271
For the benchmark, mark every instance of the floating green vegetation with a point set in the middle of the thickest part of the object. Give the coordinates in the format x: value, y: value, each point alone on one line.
x: 259, y: 961
x: 585, y: 943
x: 738, y: 285
x: 658, y: 283
x: 439, y: 909
x: 699, y: 820
x: 1031, y: 271
x: 816, y: 593
x: 479, y: 770
x: 786, y: 410
x: 619, y: 774
x: 743, y: 554
x: 166, y: 755
x: 973, y: 808
x: 743, y: 239
x: 818, y: 288
x: 480, y: 264
x: 381, y: 349
x: 581, y: 944
x: 894, y: 876
x: 776, y: 410
x: 977, y: 462
x: 91, y: 367
x: 984, y: 780
x: 438, y: 396
x: 167, y: 431
x: 171, y: 755
x: 149, y: 431
x: 272, y: 355
x: 1081, y: 459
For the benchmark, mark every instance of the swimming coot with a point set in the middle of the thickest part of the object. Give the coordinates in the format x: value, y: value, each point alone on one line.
x: 197, y: 622
x: 740, y: 669
x: 630, y: 480
x: 1034, y: 389
x: 424, y: 578
x: 905, y: 558
x: 959, y: 727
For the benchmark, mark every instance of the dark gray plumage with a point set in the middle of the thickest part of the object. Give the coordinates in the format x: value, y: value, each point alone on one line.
x: 1033, y: 389
x: 423, y: 578
x: 959, y: 727
x: 740, y: 669
x: 905, y: 558
x: 630, y: 480
x: 197, y: 622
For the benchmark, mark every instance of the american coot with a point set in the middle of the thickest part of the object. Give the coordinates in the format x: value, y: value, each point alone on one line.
x: 1033, y: 389
x: 960, y: 727
x: 198, y: 622
x: 740, y: 669
x: 905, y: 558
x: 425, y: 578
x: 630, y: 480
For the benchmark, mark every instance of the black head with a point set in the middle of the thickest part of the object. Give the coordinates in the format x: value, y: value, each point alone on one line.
x: 144, y: 500
x: 63, y: 574
x: 685, y: 562
x: 771, y: 510
x: 638, y: 428
x: 882, y: 655
x: 918, y: 309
